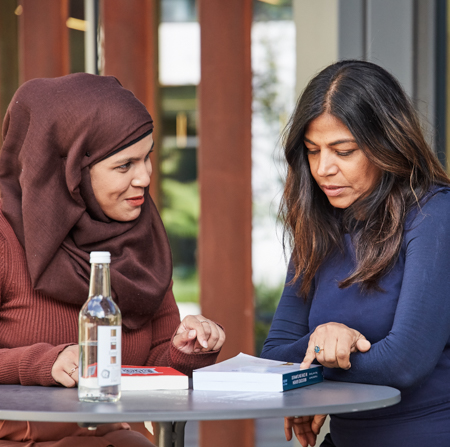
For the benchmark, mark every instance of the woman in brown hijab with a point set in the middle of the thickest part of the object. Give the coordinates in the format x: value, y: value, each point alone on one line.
x: 74, y: 177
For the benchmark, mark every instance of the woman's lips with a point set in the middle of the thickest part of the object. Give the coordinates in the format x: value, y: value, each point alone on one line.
x: 332, y: 191
x: 135, y: 201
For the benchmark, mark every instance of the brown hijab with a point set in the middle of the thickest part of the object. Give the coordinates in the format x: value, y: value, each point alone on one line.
x: 53, y: 131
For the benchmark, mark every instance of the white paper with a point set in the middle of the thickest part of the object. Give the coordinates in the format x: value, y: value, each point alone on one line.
x: 109, y: 355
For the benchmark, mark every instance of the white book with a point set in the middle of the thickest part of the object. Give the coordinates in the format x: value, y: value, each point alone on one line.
x: 247, y: 373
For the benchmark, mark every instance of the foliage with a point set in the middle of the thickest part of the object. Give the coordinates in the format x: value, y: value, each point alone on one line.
x: 185, y: 285
x: 272, y: 10
x: 181, y: 208
x: 265, y: 88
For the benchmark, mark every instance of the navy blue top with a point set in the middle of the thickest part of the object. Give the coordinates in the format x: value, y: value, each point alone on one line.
x: 408, y: 325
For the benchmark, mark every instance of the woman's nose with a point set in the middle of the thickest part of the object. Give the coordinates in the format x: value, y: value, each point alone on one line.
x: 327, y: 165
x: 143, y: 173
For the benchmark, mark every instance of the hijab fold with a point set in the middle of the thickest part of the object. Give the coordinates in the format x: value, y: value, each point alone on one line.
x: 54, y: 130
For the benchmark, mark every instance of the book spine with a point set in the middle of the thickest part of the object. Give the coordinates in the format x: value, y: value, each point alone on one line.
x: 298, y: 379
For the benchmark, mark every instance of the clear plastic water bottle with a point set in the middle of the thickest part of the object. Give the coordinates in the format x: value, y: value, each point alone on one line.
x: 100, y: 337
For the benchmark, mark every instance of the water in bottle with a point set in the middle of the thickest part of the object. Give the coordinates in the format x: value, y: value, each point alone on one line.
x: 100, y: 337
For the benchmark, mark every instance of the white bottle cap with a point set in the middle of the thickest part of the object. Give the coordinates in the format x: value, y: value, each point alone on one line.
x: 100, y: 257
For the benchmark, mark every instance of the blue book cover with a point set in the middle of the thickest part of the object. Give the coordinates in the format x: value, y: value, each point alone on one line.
x: 247, y: 373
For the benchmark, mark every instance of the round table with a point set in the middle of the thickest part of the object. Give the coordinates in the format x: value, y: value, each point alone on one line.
x: 174, y: 407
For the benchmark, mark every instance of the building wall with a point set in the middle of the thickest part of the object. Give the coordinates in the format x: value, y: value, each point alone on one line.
x: 316, y: 38
x: 407, y: 37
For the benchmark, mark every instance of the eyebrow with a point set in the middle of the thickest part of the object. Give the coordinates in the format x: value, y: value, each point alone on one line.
x: 127, y: 160
x: 334, y: 143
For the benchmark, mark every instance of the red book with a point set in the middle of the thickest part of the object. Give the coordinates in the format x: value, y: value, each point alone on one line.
x: 137, y: 378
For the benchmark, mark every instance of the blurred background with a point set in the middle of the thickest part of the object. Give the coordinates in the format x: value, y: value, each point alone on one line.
x: 221, y: 78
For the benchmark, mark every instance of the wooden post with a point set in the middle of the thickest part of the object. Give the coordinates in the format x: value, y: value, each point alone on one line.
x: 9, y: 71
x: 225, y: 189
x: 131, y: 55
x: 43, y: 39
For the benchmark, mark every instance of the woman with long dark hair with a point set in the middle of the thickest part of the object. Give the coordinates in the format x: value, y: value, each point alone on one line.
x: 366, y: 209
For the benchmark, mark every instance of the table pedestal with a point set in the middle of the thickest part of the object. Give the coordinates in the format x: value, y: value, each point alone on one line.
x: 171, y: 434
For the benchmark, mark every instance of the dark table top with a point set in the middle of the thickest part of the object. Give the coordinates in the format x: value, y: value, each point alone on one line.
x: 34, y: 403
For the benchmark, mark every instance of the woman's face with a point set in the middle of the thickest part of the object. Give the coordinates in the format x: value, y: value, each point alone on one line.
x: 338, y: 165
x: 119, y: 181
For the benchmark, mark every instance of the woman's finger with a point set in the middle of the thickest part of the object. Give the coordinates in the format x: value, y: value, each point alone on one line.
x: 302, y: 430
x: 220, y: 340
x: 182, y: 339
x: 343, y: 349
x: 288, y: 428
x: 61, y: 374
x: 65, y: 368
x: 216, y: 337
x: 327, y: 356
x: 317, y: 423
x: 195, y: 322
x: 310, y: 355
x: 203, y: 334
x: 71, y: 370
x: 211, y: 333
x: 74, y: 373
x: 363, y: 345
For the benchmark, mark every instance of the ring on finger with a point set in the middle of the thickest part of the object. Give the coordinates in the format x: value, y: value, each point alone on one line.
x: 317, y: 349
x: 72, y: 371
x: 204, y: 321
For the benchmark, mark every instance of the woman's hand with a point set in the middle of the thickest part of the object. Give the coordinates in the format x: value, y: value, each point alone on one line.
x: 306, y: 428
x: 65, y: 368
x: 332, y: 343
x: 198, y: 334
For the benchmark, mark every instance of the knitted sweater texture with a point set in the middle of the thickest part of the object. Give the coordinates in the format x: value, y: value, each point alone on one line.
x: 34, y: 328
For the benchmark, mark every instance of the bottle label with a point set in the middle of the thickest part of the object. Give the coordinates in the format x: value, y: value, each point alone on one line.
x: 109, y: 355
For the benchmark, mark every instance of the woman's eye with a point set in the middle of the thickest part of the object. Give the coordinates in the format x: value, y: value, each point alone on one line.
x: 124, y: 167
x: 312, y: 151
x: 345, y: 153
x: 147, y: 157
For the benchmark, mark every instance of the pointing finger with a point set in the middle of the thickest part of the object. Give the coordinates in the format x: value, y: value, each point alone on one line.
x: 363, y: 345
x: 308, y: 359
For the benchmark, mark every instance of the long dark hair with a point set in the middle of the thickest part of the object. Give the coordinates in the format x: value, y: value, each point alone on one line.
x: 376, y: 110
